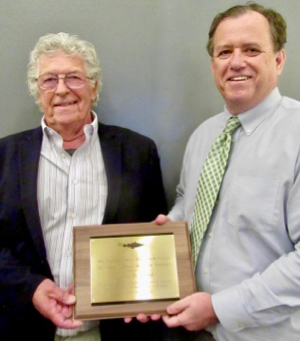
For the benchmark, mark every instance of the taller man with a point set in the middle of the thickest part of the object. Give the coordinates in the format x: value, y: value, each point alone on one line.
x: 247, y: 263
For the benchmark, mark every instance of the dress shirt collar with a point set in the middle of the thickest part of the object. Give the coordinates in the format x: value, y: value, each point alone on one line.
x: 90, y: 130
x: 252, y: 118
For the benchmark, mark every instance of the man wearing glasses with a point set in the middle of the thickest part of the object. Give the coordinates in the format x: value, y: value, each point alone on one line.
x: 70, y: 171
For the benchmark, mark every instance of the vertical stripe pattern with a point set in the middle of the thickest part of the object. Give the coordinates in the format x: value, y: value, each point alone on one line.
x: 72, y: 190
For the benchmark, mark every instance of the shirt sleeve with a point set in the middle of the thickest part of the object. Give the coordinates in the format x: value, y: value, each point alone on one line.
x: 177, y: 212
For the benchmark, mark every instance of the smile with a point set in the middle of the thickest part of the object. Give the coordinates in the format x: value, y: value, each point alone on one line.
x: 64, y: 104
x: 239, y: 78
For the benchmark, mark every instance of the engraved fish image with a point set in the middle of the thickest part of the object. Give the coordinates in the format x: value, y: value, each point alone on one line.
x: 131, y: 245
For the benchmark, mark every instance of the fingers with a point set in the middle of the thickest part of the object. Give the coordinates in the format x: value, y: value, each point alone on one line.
x: 55, y: 304
x: 194, y: 312
x: 62, y: 296
x: 178, y: 306
x: 161, y: 219
x: 175, y: 313
x: 172, y: 321
x: 143, y: 318
x: 70, y: 289
x: 50, y: 289
x: 67, y: 323
x: 155, y: 317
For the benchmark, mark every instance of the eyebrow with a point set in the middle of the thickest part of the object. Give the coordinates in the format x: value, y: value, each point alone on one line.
x: 56, y: 74
x: 230, y: 46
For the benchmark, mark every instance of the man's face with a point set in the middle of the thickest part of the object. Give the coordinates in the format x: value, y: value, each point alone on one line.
x: 244, y: 65
x: 65, y: 108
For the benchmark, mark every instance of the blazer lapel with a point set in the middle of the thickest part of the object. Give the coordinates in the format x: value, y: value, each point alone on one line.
x: 111, y: 151
x: 29, y: 155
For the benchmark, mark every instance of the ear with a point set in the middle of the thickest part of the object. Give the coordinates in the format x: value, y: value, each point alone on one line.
x: 38, y: 100
x: 212, y: 66
x: 280, y: 58
x: 94, y: 92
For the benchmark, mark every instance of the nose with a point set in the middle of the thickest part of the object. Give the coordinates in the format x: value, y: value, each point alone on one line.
x: 62, y: 86
x: 237, y: 59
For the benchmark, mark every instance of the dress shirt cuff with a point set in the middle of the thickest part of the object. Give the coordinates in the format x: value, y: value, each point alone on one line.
x: 175, y: 215
x: 230, y: 310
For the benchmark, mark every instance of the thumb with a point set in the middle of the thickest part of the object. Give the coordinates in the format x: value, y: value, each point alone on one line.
x: 62, y: 296
x: 161, y: 219
x: 177, y: 307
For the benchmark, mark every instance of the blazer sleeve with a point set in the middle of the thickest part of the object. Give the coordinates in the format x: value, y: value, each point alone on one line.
x: 21, y: 267
x: 153, y: 198
x: 135, y: 186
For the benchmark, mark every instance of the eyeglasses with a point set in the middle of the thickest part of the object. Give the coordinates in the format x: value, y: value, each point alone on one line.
x: 49, y: 82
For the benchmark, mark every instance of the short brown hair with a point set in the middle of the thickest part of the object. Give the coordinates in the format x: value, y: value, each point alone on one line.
x: 276, y: 22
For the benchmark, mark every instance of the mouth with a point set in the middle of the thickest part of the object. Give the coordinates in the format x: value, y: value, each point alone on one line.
x: 65, y: 104
x: 239, y: 78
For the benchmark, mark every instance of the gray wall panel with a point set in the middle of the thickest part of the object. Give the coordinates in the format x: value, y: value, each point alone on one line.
x: 156, y: 72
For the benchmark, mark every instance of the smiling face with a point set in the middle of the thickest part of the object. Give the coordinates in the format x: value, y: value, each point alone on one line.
x: 244, y: 66
x: 66, y: 109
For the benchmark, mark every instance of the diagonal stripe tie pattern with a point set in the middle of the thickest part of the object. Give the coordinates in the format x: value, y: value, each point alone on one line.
x: 209, y: 184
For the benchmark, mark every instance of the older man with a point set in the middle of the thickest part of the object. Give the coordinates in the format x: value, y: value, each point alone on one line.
x: 70, y: 171
x: 245, y: 217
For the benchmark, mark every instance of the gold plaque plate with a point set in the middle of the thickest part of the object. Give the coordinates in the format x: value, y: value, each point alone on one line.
x: 126, y: 269
x: 130, y: 269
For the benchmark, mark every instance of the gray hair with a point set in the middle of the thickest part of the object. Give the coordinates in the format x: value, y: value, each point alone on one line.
x: 68, y: 44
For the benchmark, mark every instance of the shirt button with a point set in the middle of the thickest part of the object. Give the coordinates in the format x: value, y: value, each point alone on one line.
x: 50, y: 132
x: 63, y: 155
x: 75, y: 182
x: 210, y: 235
x: 73, y: 216
x: 205, y: 271
x: 241, y: 325
x: 69, y: 253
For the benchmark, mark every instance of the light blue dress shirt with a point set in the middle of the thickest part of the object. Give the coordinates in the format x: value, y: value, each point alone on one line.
x: 250, y: 256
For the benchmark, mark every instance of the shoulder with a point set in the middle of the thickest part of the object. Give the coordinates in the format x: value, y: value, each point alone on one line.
x: 287, y: 115
x: 290, y: 104
x: 123, y: 135
x: 209, y: 128
x: 13, y: 140
x: 23, y: 135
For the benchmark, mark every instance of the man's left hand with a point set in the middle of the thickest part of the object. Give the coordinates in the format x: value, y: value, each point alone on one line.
x: 194, y: 312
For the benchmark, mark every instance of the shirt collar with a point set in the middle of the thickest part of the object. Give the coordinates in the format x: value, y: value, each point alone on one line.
x: 90, y: 129
x: 252, y: 118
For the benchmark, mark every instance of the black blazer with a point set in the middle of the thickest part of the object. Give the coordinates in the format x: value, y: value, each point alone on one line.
x: 135, y: 194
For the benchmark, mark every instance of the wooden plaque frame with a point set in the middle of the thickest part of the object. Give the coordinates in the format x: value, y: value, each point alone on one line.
x: 84, y: 310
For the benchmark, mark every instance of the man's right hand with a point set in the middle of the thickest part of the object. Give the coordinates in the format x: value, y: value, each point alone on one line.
x: 55, y: 304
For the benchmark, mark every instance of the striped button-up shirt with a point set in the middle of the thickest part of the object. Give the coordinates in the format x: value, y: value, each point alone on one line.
x: 72, y: 190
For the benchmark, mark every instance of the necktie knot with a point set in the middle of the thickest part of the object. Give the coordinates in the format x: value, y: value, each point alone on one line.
x: 232, y: 124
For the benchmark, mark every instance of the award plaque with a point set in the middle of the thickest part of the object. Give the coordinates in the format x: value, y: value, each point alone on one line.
x: 126, y: 269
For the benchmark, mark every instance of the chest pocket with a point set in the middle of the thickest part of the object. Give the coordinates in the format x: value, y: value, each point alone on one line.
x: 252, y: 203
